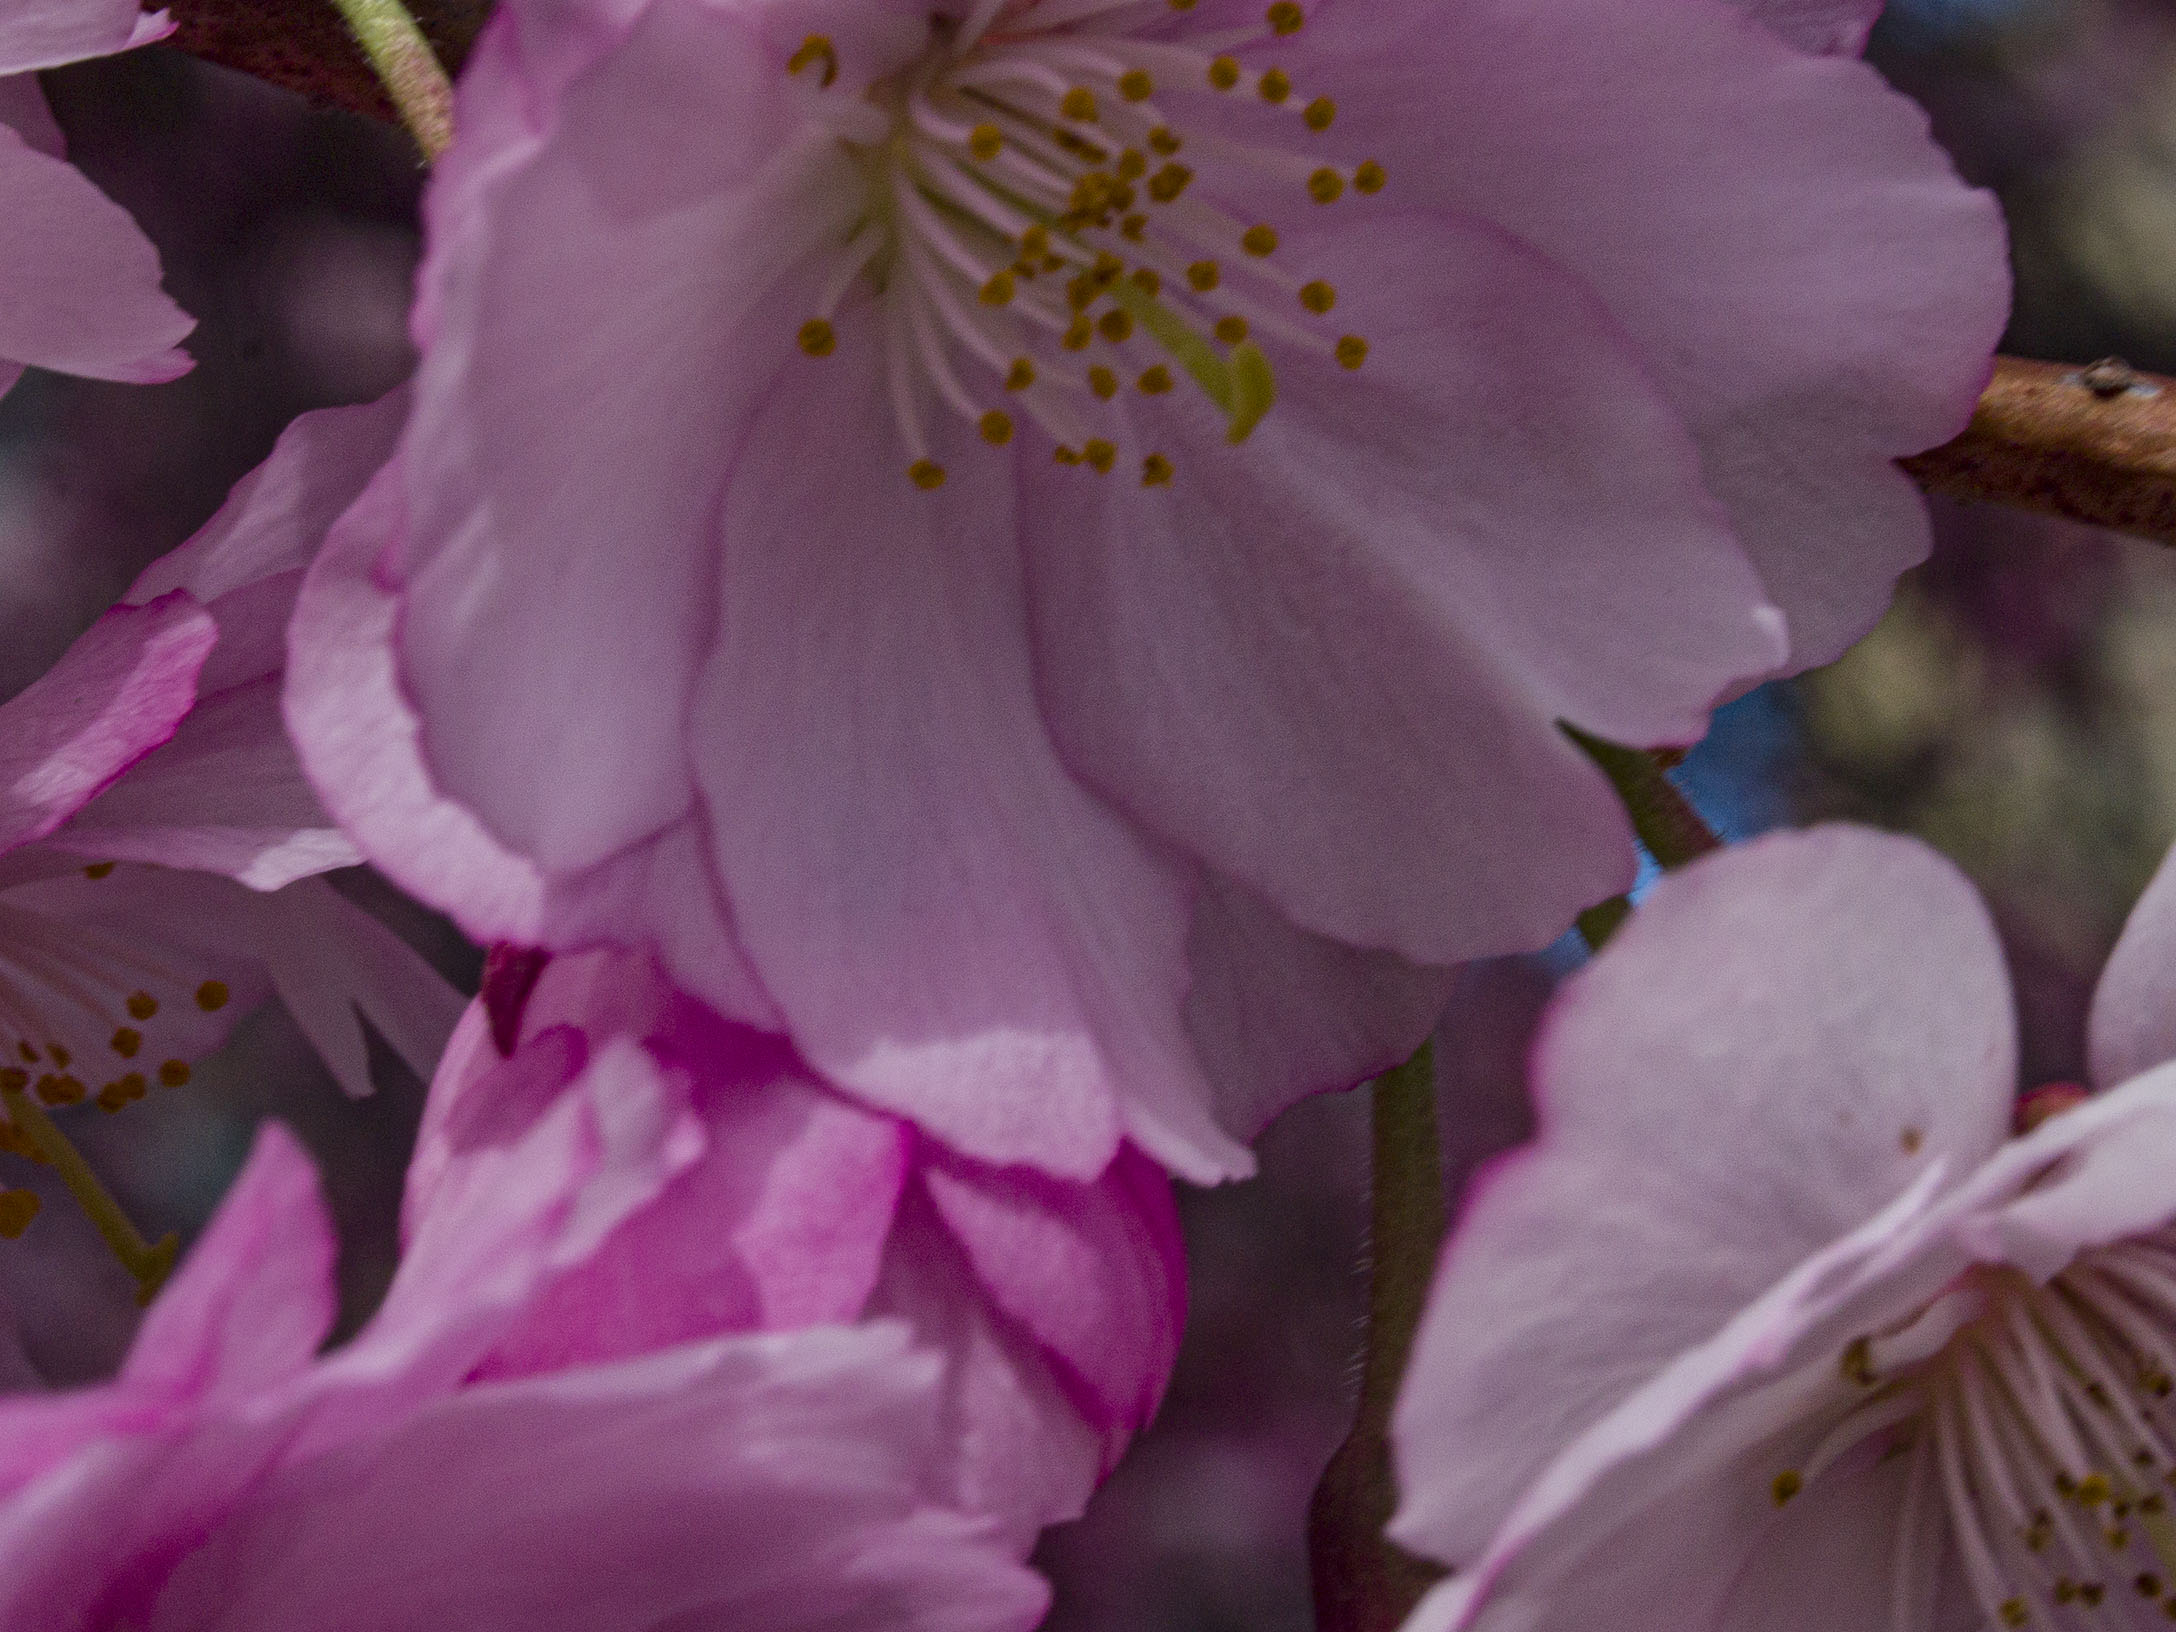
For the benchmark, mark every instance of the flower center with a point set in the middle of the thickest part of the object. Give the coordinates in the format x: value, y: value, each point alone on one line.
x: 1044, y: 233
x: 2042, y: 1425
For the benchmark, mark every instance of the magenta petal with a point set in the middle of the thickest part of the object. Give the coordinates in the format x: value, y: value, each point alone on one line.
x: 955, y: 930
x: 1330, y: 662
x: 2133, y: 1022
x: 117, y: 693
x: 81, y: 278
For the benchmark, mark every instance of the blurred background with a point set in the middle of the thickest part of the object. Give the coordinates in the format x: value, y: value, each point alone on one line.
x: 2017, y: 708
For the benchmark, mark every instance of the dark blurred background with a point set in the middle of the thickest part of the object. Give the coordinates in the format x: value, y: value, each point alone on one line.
x: 2017, y: 708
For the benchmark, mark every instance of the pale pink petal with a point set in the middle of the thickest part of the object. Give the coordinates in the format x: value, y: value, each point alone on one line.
x: 2132, y: 1027
x: 1827, y: 27
x: 81, y: 280
x: 1331, y: 661
x: 1782, y: 1037
x: 955, y: 930
x: 763, y: 1484
x: 23, y: 105
x: 1814, y: 291
x: 47, y: 33
x: 117, y: 693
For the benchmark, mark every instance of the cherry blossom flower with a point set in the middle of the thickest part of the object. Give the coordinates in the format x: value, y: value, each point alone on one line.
x: 79, y: 282
x: 961, y: 525
x: 1774, y: 1326
x: 1056, y: 1306
x: 228, y: 1479
x: 157, y: 838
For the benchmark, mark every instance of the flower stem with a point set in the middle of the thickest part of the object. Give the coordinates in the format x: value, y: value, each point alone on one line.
x: 148, y: 1262
x: 1363, y: 1582
x: 408, y: 68
x: 1662, y: 817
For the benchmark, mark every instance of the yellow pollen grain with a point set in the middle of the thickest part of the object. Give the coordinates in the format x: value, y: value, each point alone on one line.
x: 985, y: 141
x: 996, y: 427
x: 2013, y: 1612
x: 1325, y: 186
x: 1154, y: 381
x: 816, y: 48
x: 1259, y: 239
x: 1167, y: 183
x: 1224, y: 72
x: 1276, y: 86
x: 1231, y: 329
x: 212, y: 996
x: 61, y: 1090
x: 141, y: 1006
x: 133, y: 1084
x: 2092, y: 1490
x: 1107, y: 267
x: 1369, y: 178
x: 1065, y: 455
x: 1135, y: 85
x: 1077, y: 335
x: 1286, y: 18
x: 926, y: 474
x: 126, y: 1041
x: 1132, y: 164
x: 998, y: 291
x: 1352, y: 351
x: 1319, y: 113
x: 174, y: 1073
x: 1035, y: 242
x: 1786, y: 1484
x: 1079, y: 105
x: 1204, y: 276
x: 1148, y: 280
x: 816, y: 337
x: 1133, y: 226
x: 1317, y: 296
x: 1162, y: 139
x: 1103, y: 382
x: 1116, y: 325
x: 1155, y: 471
x: 99, y: 869
x: 1020, y: 376
x: 1101, y: 454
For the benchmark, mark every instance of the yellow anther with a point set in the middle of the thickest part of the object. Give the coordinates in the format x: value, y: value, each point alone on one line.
x: 1369, y: 178
x: 1065, y: 455
x: 2013, y: 1612
x: 59, y: 1055
x: 1319, y: 113
x: 1260, y: 239
x: 1077, y: 335
x: 1079, y: 105
x: 1135, y: 85
x: 61, y: 1090
x: 174, y: 1073
x: 1182, y: 5
x: 1857, y: 1361
x: 212, y: 995
x: 133, y: 1084
x: 1116, y: 325
x: 1148, y: 280
x: 926, y: 474
x: 141, y: 1006
x: 1167, y: 183
x: 1103, y: 382
x: 1035, y: 242
x: 1020, y: 376
x: 31, y: 1056
x: 1325, y: 186
x: 1164, y: 140
x: 1101, y: 454
x: 1155, y: 471
x: 1224, y: 72
x: 1132, y: 164
x: 1081, y: 291
x: 985, y: 141
x: 1155, y: 380
x: 1106, y: 268
x: 998, y: 291
x: 2094, y: 1489
x: 126, y: 1041
x: 816, y: 48
x: 2148, y: 1584
x: 1204, y: 276
x: 1352, y: 351
x: 1232, y: 329
x: 14, y: 1079
x: 17, y: 1209
x: 1133, y: 227
x: 98, y: 869
x: 996, y: 427
x: 1317, y: 296
x: 1786, y: 1484
x: 121, y: 1091
x: 1276, y: 86
x: 816, y: 337
x: 1286, y: 18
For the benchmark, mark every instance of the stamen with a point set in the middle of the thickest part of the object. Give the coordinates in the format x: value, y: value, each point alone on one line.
x: 1224, y: 72
x: 1325, y: 186
x: 1319, y: 114
x: 1286, y: 18
x: 1259, y: 240
x: 1275, y: 86
x: 1369, y: 177
x: 1352, y: 351
x: 926, y: 474
x: 150, y: 1263
x: 817, y: 48
x: 1156, y: 471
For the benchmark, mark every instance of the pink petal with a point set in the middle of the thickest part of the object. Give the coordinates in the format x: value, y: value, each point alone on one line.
x: 2132, y: 1027
x: 82, y: 280
x: 48, y: 33
x: 1815, y: 293
x: 117, y: 693
x: 1783, y: 1036
x: 23, y: 106
x: 1331, y: 661
x: 1829, y: 27
x: 954, y: 929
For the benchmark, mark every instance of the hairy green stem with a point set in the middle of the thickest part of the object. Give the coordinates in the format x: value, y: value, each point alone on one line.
x: 408, y: 68
x: 148, y: 1262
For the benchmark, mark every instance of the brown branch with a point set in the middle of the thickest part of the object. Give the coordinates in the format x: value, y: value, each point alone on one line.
x: 305, y: 45
x: 2094, y: 444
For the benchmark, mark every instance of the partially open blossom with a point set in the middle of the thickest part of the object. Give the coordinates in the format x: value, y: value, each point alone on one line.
x: 1776, y: 1326
x: 79, y: 282
x: 946, y: 521
x: 1055, y: 1306
x: 231, y: 1479
x: 157, y: 839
